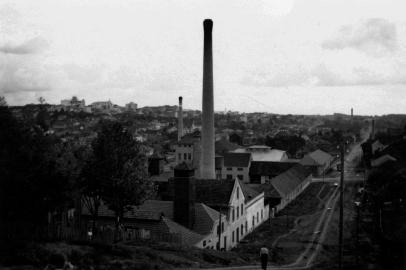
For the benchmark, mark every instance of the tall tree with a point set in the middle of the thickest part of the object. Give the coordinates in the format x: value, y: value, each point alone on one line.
x: 119, y: 171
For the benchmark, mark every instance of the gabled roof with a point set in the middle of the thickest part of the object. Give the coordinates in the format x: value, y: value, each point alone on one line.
x: 237, y: 159
x: 214, y: 192
x: 269, y: 167
x: 287, y: 182
x: 316, y: 158
x: 189, y: 237
x: 249, y: 193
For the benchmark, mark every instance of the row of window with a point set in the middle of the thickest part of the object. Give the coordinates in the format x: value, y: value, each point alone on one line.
x: 186, y: 156
x: 235, y: 235
x: 230, y: 169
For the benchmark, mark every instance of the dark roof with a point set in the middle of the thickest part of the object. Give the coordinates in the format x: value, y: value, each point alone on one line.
x: 317, y: 158
x: 249, y: 193
x: 237, y: 159
x: 271, y: 168
x: 268, y: 189
x: 286, y: 182
x: 214, y: 192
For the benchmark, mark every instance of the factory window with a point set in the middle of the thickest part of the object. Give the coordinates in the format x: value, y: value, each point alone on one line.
x: 262, y: 214
x: 229, y: 177
x: 242, y: 209
x: 242, y: 229
x: 246, y: 226
x: 240, y: 177
x: 253, y: 221
x: 229, y: 169
x: 238, y: 212
x: 233, y: 215
x: 240, y: 169
x: 232, y: 237
x: 189, y: 156
x: 238, y: 192
x: 222, y: 226
x: 257, y: 217
x: 204, y: 243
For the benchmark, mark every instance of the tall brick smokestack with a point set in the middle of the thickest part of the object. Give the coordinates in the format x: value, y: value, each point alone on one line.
x: 207, y: 160
x: 180, y: 120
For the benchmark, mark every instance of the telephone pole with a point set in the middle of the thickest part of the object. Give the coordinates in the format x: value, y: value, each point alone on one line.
x: 340, y: 239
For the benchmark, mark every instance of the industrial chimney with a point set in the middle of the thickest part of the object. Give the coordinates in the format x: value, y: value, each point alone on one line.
x: 373, y: 129
x: 180, y: 120
x: 207, y: 165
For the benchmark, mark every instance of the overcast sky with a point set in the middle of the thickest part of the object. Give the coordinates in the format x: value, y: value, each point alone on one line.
x: 280, y: 56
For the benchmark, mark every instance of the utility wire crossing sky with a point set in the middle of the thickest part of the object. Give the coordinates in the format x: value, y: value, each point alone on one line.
x: 279, y: 56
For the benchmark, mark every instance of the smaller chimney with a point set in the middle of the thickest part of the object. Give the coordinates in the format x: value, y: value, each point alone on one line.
x: 185, y: 195
x: 373, y: 129
x: 180, y: 120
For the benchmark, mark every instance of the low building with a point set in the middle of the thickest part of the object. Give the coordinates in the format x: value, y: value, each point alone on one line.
x: 261, y: 172
x: 101, y: 105
x: 284, y: 188
x: 290, y: 184
x: 319, y: 162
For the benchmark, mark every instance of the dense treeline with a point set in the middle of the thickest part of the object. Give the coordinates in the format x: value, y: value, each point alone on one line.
x: 42, y: 175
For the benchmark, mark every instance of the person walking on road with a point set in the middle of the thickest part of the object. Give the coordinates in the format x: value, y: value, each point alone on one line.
x: 264, y: 253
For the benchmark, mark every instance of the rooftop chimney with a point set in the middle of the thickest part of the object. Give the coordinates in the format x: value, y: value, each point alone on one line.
x: 208, y: 170
x: 180, y: 120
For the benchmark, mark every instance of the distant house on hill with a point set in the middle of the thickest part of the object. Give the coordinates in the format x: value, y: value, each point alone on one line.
x: 317, y: 161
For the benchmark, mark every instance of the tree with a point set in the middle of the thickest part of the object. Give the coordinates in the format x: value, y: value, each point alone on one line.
x: 30, y: 183
x: 3, y: 102
x: 118, y: 171
x: 41, y: 100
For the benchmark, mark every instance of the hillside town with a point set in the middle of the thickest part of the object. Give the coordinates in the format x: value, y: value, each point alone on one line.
x: 104, y: 186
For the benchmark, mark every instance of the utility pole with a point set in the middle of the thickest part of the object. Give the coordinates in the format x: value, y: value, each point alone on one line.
x: 340, y: 239
x: 219, y: 248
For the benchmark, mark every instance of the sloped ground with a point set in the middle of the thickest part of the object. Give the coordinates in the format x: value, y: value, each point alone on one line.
x: 288, y: 234
x: 285, y: 235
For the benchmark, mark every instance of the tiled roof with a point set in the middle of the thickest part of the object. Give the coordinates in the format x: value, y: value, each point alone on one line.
x: 249, y: 193
x: 214, y: 192
x: 188, y: 237
x: 268, y: 189
x: 317, y: 158
x: 154, y: 211
x: 286, y: 182
x: 237, y: 159
x: 269, y: 168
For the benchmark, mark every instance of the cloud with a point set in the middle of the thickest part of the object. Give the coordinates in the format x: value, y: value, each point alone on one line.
x: 371, y: 36
x: 32, y: 46
x: 322, y: 75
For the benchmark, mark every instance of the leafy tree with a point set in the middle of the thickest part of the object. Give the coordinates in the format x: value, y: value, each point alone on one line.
x: 118, y: 171
x: 30, y: 183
